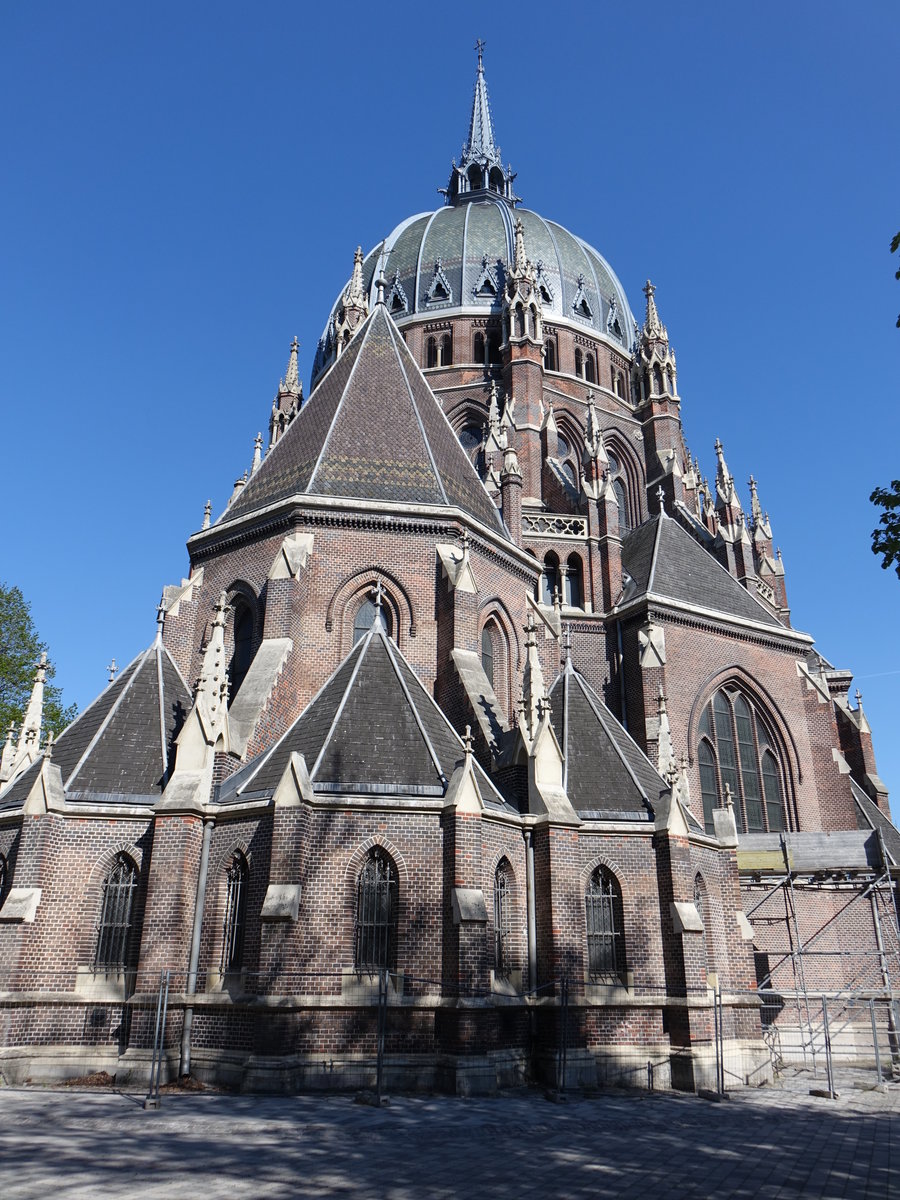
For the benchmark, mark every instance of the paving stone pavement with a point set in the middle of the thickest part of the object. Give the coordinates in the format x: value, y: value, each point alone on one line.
x: 769, y: 1143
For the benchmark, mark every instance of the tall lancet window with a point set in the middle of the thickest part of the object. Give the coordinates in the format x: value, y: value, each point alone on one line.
x: 737, y: 751
x: 502, y: 918
x: 234, y: 920
x: 604, y: 923
x: 116, y: 916
x: 376, y: 914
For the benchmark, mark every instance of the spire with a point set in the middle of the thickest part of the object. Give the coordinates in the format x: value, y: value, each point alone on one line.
x: 291, y: 385
x: 8, y: 755
x: 207, y: 513
x: 257, y: 453
x: 665, y: 760
x: 211, y: 699
x: 354, y: 306
x: 288, y: 398
x: 654, y: 330
x: 481, y: 166
x: 29, y: 741
x: 533, y: 689
x: 521, y: 261
x: 481, y: 130
x: 726, y: 492
x: 355, y: 295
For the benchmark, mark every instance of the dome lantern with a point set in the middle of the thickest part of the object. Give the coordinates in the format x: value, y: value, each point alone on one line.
x: 480, y: 168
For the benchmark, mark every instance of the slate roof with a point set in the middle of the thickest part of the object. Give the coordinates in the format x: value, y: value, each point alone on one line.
x: 871, y: 817
x: 374, y: 430
x: 661, y: 557
x: 608, y: 776
x: 371, y: 729
x: 119, y: 749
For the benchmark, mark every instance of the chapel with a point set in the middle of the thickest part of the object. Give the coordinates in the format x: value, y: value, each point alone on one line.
x: 477, y: 736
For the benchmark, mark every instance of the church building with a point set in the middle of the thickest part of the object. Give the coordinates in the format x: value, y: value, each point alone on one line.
x: 478, y: 728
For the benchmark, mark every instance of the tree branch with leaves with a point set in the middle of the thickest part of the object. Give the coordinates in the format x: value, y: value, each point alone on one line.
x: 20, y: 651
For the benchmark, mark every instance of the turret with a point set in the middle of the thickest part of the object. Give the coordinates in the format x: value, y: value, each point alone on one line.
x: 354, y: 306
x: 288, y: 398
x: 656, y: 382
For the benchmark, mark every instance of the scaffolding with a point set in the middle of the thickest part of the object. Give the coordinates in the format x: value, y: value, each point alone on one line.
x: 855, y: 995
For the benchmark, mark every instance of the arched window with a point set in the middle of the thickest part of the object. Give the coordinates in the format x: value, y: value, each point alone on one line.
x: 116, y: 914
x: 590, y: 370
x: 365, y: 619
x: 579, y: 363
x: 242, y: 655
x: 471, y: 439
x: 604, y: 923
x: 478, y: 348
x: 236, y: 879
x: 502, y: 918
x: 431, y: 353
x: 737, y: 751
x: 475, y: 177
x: 549, y: 578
x: 550, y: 355
x: 446, y: 350
x: 375, y: 945
x: 487, y: 654
x: 574, y: 591
x: 493, y: 350
x: 496, y: 180
x: 622, y: 505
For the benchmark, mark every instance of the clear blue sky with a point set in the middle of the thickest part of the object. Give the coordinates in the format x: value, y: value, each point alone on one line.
x: 183, y: 186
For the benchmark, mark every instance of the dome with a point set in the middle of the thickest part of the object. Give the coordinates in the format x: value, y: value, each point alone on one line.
x: 454, y: 260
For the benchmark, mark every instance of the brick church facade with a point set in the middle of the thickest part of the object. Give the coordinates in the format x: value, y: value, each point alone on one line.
x: 476, y: 693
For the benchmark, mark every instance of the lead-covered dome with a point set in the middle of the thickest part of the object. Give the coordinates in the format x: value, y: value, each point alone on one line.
x: 454, y: 261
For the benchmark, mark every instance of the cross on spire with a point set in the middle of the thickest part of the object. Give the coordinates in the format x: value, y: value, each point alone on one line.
x: 479, y: 46
x: 112, y: 668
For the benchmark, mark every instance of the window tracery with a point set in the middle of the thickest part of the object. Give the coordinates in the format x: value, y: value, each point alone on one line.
x: 738, y: 752
x: 605, y: 927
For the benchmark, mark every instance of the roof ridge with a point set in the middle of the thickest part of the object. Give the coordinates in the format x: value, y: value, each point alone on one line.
x: 114, y: 708
x: 391, y: 650
x: 260, y: 761
x: 343, y: 701
x: 588, y: 695
x: 363, y: 334
x: 391, y: 327
x: 654, y: 556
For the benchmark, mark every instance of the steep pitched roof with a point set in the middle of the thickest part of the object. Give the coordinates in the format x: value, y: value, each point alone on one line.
x: 120, y: 748
x: 661, y: 557
x: 371, y: 729
x: 374, y: 430
x: 608, y: 776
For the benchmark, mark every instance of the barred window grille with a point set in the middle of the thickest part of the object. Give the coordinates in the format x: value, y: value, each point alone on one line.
x: 605, y: 937
x: 502, y: 919
x: 376, y: 914
x: 116, y: 914
x: 236, y: 879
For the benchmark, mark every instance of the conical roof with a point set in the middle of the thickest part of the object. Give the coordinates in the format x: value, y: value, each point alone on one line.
x: 120, y: 748
x: 372, y: 430
x: 371, y: 729
x: 608, y: 776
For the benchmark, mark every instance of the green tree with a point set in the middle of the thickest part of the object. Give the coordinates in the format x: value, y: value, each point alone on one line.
x: 886, y: 538
x: 895, y: 246
x: 20, y: 651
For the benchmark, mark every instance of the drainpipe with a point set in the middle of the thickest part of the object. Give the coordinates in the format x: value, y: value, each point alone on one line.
x: 191, y: 988
x: 532, y: 919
